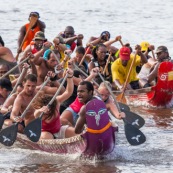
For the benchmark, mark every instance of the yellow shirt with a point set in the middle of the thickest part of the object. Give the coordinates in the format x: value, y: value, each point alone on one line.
x: 120, y: 72
x: 62, y: 58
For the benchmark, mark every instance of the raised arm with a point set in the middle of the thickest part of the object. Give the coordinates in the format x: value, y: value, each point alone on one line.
x: 69, y: 89
x: 37, y: 58
x: 139, y: 52
x: 109, y: 42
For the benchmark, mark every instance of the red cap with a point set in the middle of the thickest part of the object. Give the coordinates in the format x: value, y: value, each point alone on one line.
x: 124, y: 53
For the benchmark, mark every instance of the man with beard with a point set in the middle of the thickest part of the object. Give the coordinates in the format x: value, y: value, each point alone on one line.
x: 162, y: 54
x: 34, y: 45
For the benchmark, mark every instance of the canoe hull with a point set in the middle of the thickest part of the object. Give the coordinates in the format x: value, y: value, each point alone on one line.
x: 76, y: 144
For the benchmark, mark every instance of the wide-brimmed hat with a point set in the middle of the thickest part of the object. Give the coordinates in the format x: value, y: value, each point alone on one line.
x: 39, y: 36
x: 161, y: 49
x: 5, y: 83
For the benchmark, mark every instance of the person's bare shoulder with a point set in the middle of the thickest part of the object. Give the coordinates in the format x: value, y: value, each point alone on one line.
x: 22, y: 29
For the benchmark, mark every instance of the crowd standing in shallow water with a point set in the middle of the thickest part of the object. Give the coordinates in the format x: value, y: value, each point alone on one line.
x: 53, y: 60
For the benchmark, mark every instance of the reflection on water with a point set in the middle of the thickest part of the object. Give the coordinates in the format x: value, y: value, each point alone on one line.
x: 161, y: 117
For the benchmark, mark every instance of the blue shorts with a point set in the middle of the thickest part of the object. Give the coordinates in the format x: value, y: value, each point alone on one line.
x: 74, y: 114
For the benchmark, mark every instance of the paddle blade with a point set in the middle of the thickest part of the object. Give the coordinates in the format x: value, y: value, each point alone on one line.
x: 123, y: 106
x: 121, y: 98
x: 33, y: 130
x: 134, y: 119
x: 134, y: 136
x: 1, y: 120
x: 8, y: 135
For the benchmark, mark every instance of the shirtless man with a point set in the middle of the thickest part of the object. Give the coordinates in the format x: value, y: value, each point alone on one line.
x: 23, y: 100
x: 46, y: 63
x: 7, y: 58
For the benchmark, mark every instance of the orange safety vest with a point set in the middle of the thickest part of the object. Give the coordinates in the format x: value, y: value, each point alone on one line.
x: 30, y: 35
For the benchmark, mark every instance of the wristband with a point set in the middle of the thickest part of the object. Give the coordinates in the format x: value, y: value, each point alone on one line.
x: 70, y: 77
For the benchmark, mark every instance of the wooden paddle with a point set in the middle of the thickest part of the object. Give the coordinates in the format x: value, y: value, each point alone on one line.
x: 33, y: 129
x: 33, y: 20
x: 15, y: 67
x: 121, y: 42
x: 83, y: 58
x: 109, y: 57
x: 121, y: 97
x: 9, y: 134
x: 52, y: 50
x: 18, y: 81
x: 153, y: 55
x: 134, y: 135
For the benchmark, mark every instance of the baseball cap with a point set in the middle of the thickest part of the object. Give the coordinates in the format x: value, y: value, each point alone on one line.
x: 161, y: 49
x: 5, y: 83
x: 144, y: 46
x: 39, y: 36
x: 124, y: 53
x: 34, y: 13
x: 104, y: 33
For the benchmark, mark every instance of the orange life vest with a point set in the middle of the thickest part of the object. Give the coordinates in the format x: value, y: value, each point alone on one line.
x: 30, y: 35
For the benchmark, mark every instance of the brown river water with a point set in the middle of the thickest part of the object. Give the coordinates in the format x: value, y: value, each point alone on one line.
x: 136, y: 21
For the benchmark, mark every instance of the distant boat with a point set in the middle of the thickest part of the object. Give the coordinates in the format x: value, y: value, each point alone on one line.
x: 160, y: 95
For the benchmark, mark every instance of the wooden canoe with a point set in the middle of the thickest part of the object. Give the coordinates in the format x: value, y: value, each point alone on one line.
x: 159, y: 95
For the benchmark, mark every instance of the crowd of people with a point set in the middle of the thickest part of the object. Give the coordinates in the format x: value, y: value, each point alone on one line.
x: 40, y: 59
